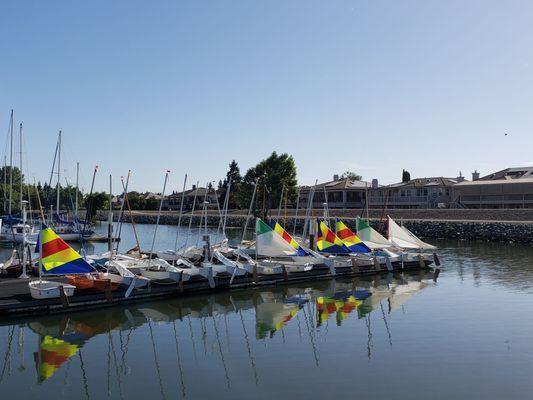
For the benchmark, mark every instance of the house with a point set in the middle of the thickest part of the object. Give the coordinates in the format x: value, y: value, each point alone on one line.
x: 433, y: 192
x: 341, y: 193
x: 173, y: 201
x: 508, y: 188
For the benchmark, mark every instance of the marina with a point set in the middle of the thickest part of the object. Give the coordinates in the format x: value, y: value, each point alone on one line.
x: 372, y: 327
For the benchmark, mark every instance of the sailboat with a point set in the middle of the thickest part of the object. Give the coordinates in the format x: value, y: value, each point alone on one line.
x: 12, y: 228
x: 403, y: 238
x: 68, y: 230
x: 58, y: 258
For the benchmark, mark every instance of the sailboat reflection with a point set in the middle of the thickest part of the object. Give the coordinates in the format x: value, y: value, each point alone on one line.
x: 61, y: 337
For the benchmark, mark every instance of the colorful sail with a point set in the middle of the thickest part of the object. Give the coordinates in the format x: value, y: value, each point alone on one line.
x: 287, y: 237
x: 328, y: 242
x: 58, y: 257
x: 269, y: 243
x: 53, y: 353
x: 350, y: 239
x: 370, y: 236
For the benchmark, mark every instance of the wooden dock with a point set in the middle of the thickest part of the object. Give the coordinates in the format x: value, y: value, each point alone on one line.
x: 15, y: 298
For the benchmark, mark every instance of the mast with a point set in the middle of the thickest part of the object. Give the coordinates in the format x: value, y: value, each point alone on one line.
x: 21, y: 183
x: 110, y: 226
x: 158, y: 217
x: 77, y: 188
x: 58, y: 172
x: 180, y: 215
x: 11, y: 163
x: 190, y: 218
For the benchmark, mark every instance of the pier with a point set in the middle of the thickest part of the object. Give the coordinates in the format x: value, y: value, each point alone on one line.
x: 15, y: 298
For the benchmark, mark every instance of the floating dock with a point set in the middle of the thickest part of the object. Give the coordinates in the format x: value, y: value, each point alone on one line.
x: 15, y: 298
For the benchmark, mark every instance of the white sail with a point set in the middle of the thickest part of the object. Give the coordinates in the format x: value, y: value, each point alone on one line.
x: 423, y: 245
x: 400, y: 238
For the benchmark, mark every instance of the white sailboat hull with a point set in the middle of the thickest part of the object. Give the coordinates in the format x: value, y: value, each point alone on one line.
x: 49, y: 290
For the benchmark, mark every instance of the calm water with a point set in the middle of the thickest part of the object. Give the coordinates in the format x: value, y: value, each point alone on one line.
x: 467, y: 335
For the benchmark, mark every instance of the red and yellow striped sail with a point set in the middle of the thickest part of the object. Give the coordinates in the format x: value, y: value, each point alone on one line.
x: 58, y: 257
x: 328, y: 242
x: 288, y: 238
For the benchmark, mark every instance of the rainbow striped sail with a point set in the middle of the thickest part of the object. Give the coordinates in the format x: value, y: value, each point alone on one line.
x: 57, y: 256
x: 288, y: 238
x: 328, y: 242
x: 350, y: 239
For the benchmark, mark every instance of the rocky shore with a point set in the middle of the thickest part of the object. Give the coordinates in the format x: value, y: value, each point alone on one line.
x: 513, y: 226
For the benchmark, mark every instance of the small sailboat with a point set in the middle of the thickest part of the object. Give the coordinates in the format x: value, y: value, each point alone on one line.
x: 58, y: 258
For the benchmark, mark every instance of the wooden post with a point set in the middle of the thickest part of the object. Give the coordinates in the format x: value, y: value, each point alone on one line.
x: 355, y: 267
x: 421, y: 262
x: 436, y: 259
x: 377, y: 268
x: 108, y: 293
x: 180, y: 283
x: 254, y: 273
x: 64, y: 297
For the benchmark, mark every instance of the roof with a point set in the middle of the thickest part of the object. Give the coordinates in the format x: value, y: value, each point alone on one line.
x: 426, y: 182
x: 479, y: 182
x: 510, y: 174
x: 201, y: 191
x: 340, y: 185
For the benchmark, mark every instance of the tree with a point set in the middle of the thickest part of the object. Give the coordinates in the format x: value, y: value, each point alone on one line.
x: 353, y: 176
x: 95, y: 202
x: 272, y: 175
x: 406, y: 176
x: 233, y: 174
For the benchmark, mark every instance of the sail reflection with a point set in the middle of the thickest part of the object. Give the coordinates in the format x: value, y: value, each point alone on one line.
x: 61, y: 337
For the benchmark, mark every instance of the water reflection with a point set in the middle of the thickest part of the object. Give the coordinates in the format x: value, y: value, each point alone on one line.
x: 63, y: 338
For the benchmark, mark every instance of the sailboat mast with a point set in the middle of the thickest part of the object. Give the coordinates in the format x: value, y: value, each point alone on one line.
x: 180, y: 215
x: 21, y: 183
x: 158, y: 217
x: 11, y: 163
x: 77, y: 189
x: 58, y: 172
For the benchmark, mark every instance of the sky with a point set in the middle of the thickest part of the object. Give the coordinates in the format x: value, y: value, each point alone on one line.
x: 369, y: 86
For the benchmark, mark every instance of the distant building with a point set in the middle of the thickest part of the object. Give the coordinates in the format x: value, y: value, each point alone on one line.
x: 508, y: 188
x: 432, y: 192
x: 173, y: 201
x: 341, y: 193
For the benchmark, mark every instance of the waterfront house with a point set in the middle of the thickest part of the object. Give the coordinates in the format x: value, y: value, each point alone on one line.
x: 342, y: 194
x: 508, y: 188
x: 433, y: 192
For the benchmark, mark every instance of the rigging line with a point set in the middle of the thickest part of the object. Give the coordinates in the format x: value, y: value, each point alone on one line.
x: 311, y: 339
x: 386, y: 323
x: 369, y: 344
x: 119, y: 381
x: 7, y: 357
x: 249, y: 349
x: 221, y: 353
x: 192, y: 339
x: 158, y: 370
x: 84, y: 375
x: 182, y: 381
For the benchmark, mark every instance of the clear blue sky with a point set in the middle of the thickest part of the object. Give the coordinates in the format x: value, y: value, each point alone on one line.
x: 370, y: 86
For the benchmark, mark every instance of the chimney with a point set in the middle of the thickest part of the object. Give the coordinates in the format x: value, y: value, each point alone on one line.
x: 475, y: 175
x: 336, y: 177
x: 374, y: 183
x: 460, y: 178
